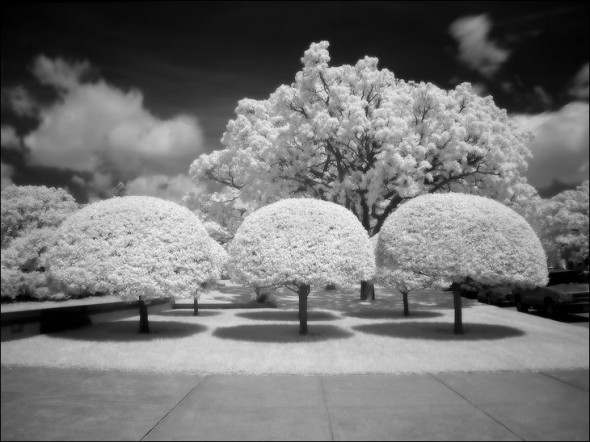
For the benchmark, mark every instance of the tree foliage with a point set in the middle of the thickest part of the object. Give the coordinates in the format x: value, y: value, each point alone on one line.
x: 300, y: 243
x: 563, y: 224
x: 463, y: 239
x: 362, y: 138
x: 30, y: 216
x: 133, y: 246
x: 25, y: 208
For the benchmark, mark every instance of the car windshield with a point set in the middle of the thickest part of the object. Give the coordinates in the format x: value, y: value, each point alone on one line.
x: 567, y: 277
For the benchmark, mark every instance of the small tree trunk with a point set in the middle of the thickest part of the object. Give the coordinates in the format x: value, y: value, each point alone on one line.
x: 303, y: 293
x: 458, y: 313
x: 367, y: 291
x: 406, y: 308
x: 144, y: 326
x: 196, y: 306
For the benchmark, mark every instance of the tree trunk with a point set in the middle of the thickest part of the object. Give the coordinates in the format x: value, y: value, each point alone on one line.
x: 458, y: 313
x: 367, y: 291
x: 303, y: 293
x: 406, y: 308
x: 196, y: 306
x: 144, y: 326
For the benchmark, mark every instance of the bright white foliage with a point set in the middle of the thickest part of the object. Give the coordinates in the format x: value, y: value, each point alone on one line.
x: 133, y: 246
x: 462, y: 237
x: 219, y: 258
x: 360, y: 137
x: 25, y: 208
x: 23, y: 265
x: 564, y: 223
x: 301, y: 241
x: 403, y: 280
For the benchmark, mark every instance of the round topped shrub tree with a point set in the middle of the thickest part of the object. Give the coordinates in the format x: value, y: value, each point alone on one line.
x: 300, y: 243
x: 134, y: 247
x: 465, y: 239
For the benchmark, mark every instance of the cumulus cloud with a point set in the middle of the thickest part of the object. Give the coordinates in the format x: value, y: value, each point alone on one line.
x: 560, y: 146
x: 162, y: 186
x: 6, y: 172
x: 9, y: 137
x: 579, y: 85
x: 98, y: 128
x: 19, y: 101
x: 59, y: 73
x: 475, y: 49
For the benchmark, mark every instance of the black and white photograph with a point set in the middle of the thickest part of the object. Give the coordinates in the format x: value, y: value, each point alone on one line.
x: 295, y: 220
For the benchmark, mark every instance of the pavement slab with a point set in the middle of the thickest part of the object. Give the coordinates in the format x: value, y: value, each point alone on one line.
x: 68, y: 404
x: 532, y: 405
x: 55, y: 419
x: 437, y: 422
x: 241, y: 423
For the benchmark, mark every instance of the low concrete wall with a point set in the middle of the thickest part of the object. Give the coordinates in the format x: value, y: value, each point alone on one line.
x: 21, y: 324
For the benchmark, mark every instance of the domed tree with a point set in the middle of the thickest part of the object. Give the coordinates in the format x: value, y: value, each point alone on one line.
x: 465, y: 239
x: 300, y: 243
x: 135, y: 247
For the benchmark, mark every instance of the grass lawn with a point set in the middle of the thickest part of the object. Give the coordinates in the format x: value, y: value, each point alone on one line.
x: 346, y: 335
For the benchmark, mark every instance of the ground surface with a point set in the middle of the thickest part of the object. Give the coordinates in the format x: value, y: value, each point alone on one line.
x: 346, y: 336
x: 66, y: 404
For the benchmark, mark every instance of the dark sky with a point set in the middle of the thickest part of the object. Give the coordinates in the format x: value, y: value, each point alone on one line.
x: 200, y: 58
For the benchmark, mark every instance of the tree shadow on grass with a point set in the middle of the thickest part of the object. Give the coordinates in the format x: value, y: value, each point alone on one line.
x: 281, y: 333
x: 440, y: 331
x: 392, y: 314
x: 187, y: 313
x: 121, y: 331
x: 288, y: 315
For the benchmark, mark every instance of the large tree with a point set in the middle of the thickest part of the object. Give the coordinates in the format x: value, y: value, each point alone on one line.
x: 362, y: 138
x: 300, y: 244
x: 466, y: 239
x: 135, y: 247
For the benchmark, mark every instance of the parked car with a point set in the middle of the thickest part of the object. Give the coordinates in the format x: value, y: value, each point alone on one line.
x: 567, y: 291
x: 496, y: 295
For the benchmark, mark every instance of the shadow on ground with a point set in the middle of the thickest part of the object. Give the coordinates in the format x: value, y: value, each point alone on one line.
x: 347, y: 300
x: 125, y: 331
x: 440, y: 331
x: 187, y: 313
x: 391, y: 314
x: 288, y: 315
x: 281, y: 333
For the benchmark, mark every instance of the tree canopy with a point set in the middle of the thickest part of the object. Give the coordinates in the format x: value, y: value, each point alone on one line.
x: 301, y: 241
x: 25, y: 208
x: 367, y: 140
x: 133, y: 246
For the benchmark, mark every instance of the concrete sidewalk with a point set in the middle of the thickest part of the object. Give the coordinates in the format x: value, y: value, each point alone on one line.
x: 56, y: 404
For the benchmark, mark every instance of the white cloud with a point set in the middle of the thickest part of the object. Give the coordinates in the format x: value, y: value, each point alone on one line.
x: 579, y: 85
x: 59, y: 73
x: 161, y: 186
x: 97, y: 128
x: 9, y: 138
x: 560, y: 146
x: 475, y: 49
x: 19, y: 101
x: 6, y: 172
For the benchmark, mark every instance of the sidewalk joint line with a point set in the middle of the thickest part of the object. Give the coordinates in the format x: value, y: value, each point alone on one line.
x: 326, y: 408
x: 475, y: 405
x: 565, y: 382
x: 173, y: 408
